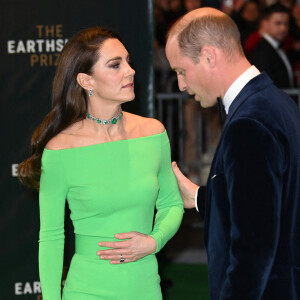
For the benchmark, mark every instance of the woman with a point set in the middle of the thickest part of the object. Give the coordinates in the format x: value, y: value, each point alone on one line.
x: 112, y: 166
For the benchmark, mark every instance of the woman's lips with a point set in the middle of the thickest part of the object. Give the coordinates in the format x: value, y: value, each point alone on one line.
x: 129, y: 85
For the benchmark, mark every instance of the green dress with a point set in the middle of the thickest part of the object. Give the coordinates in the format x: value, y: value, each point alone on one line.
x: 111, y: 188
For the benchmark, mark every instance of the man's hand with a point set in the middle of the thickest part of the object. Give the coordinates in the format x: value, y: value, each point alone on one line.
x: 187, y: 188
x: 136, y: 246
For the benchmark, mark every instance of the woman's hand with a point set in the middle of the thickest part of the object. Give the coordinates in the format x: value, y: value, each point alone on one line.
x: 136, y: 246
x: 187, y: 188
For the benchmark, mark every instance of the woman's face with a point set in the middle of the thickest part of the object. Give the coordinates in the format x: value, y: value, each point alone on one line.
x: 112, y: 76
x: 250, y: 12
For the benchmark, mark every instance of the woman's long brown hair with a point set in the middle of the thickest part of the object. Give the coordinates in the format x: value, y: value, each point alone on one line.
x: 69, y: 99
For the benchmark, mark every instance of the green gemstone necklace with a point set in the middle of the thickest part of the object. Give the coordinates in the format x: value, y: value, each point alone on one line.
x: 113, y: 120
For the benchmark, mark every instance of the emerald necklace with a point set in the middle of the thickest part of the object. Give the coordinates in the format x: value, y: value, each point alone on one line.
x: 113, y: 120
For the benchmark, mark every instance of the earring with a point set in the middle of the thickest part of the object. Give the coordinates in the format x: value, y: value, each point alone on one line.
x: 90, y: 92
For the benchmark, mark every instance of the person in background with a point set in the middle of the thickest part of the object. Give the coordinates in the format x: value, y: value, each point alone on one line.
x: 190, y: 5
x: 254, y: 38
x: 247, y: 18
x: 114, y: 169
x: 251, y: 203
x: 294, y: 53
x: 268, y: 55
x: 176, y: 10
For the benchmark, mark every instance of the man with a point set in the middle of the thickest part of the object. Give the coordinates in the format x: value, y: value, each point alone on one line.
x: 252, y: 198
x: 267, y: 55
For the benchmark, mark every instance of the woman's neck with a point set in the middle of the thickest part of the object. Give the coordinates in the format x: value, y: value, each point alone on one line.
x: 106, y: 121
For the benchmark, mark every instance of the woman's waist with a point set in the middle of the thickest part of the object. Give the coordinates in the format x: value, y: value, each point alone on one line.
x: 88, y: 246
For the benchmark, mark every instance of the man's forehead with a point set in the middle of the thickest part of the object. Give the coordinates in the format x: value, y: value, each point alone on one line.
x: 279, y: 15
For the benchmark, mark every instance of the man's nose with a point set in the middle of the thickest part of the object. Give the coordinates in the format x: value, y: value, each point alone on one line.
x: 181, y: 83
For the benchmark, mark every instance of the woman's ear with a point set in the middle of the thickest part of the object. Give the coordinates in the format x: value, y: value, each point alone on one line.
x: 84, y: 80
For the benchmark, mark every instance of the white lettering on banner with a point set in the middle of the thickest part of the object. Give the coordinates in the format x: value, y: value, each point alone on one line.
x: 44, y: 49
x: 37, y: 287
x: 11, y: 47
x: 21, y: 47
x: 28, y: 288
x: 30, y: 46
x: 60, y: 44
x: 40, y: 43
x: 14, y: 170
x: 18, y: 288
x: 50, y: 45
x: 33, y: 46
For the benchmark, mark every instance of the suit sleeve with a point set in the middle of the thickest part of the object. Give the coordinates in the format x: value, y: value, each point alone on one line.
x: 254, y: 163
x: 52, y: 195
x: 169, y: 204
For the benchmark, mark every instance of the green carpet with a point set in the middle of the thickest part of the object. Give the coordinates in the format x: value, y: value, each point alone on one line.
x: 184, y: 281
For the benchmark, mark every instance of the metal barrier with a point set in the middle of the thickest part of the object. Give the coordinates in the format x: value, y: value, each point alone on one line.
x: 171, y: 111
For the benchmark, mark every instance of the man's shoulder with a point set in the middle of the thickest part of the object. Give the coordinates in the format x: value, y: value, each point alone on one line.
x: 263, y: 49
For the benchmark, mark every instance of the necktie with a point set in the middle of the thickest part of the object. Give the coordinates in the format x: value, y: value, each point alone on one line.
x: 221, y: 110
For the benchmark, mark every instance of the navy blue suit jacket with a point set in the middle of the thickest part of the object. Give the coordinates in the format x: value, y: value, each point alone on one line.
x: 252, y: 199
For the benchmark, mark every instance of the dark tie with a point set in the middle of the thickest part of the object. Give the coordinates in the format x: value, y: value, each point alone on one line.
x: 222, y: 112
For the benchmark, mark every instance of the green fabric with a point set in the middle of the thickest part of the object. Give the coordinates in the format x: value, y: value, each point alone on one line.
x: 111, y: 188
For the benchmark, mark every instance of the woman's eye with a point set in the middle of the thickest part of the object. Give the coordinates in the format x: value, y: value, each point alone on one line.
x: 115, y: 66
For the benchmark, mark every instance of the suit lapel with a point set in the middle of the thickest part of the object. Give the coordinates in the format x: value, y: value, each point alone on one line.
x: 255, y: 85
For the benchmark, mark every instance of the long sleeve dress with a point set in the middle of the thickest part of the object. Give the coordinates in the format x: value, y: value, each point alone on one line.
x: 111, y: 188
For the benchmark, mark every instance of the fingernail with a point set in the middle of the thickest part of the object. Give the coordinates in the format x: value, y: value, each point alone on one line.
x: 99, y: 244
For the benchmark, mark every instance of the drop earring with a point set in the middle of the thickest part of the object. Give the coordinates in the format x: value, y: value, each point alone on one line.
x: 90, y: 92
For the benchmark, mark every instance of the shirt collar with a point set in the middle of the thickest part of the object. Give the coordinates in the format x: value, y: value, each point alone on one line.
x: 274, y: 43
x: 238, y: 85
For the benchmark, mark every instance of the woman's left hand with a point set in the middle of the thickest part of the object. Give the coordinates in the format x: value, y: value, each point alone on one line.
x: 136, y: 246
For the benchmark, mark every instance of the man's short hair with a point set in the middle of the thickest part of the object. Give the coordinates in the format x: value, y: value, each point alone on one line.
x: 268, y: 11
x: 218, y: 31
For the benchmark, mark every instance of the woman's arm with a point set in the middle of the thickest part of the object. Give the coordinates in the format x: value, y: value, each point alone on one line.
x: 169, y: 203
x: 52, y: 195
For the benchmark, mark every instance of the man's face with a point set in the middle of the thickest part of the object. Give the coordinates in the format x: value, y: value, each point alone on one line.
x: 277, y: 26
x: 193, y: 78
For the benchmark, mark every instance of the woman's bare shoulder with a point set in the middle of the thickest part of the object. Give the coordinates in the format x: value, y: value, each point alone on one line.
x: 148, y: 126
x: 60, y: 141
x: 68, y: 138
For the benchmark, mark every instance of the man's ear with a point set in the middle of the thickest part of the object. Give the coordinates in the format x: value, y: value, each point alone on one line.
x: 84, y: 80
x: 208, y: 55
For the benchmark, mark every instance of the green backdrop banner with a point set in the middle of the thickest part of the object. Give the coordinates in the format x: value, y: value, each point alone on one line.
x: 32, y: 35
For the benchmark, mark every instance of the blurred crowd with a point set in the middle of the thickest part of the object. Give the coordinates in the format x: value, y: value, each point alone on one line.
x: 270, y: 35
